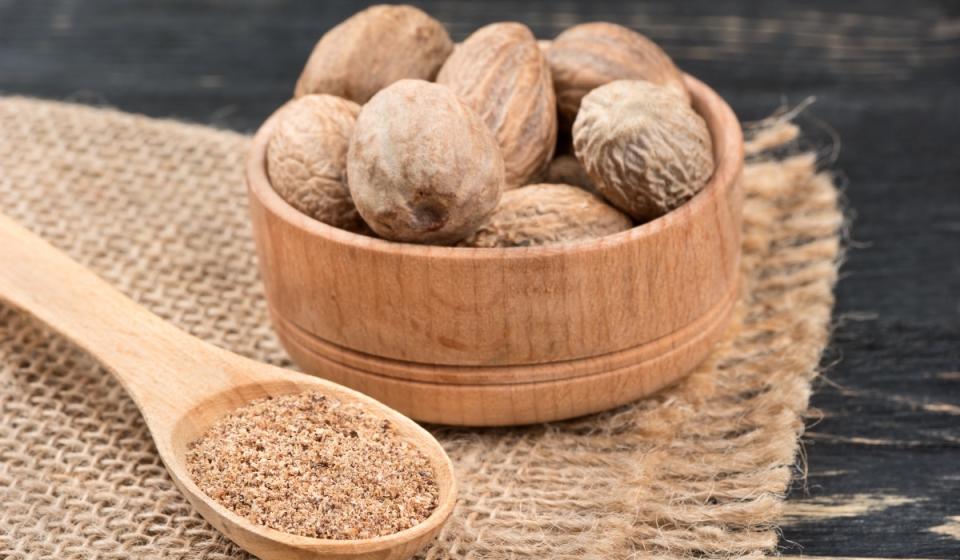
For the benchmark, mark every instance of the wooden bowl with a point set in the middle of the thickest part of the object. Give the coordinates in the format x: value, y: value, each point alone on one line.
x: 488, y: 337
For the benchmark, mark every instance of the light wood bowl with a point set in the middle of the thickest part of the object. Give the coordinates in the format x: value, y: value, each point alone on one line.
x: 488, y: 337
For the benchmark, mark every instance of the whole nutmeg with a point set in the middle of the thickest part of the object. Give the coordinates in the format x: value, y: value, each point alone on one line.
x: 307, y: 158
x: 543, y: 214
x: 501, y: 73
x: 422, y: 166
x: 646, y: 150
x: 568, y: 170
x: 589, y: 55
x: 374, y: 48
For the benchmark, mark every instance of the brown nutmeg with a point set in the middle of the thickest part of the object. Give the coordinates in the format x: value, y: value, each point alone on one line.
x: 422, y: 166
x: 502, y: 74
x: 568, y: 170
x: 544, y: 214
x: 374, y: 48
x: 307, y: 158
x: 646, y: 150
x: 589, y: 55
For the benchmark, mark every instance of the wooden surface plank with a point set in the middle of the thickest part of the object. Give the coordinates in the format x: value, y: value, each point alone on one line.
x: 883, y: 452
x: 808, y: 557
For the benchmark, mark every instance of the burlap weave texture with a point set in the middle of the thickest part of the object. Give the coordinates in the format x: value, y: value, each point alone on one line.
x: 158, y: 209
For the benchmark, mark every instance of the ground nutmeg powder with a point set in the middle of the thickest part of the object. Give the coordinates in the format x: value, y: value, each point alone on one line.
x: 310, y: 465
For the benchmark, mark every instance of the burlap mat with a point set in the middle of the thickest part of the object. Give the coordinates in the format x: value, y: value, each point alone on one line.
x: 158, y: 208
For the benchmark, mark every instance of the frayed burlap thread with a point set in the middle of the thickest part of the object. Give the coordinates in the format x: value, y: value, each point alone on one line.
x: 158, y: 209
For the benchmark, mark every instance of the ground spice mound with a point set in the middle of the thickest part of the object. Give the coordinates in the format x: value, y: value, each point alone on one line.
x: 310, y: 465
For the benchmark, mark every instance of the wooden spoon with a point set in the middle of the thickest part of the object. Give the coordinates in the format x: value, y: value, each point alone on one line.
x: 182, y: 384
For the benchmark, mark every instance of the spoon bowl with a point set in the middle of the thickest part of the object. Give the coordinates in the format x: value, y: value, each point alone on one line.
x: 182, y: 385
x: 265, y: 542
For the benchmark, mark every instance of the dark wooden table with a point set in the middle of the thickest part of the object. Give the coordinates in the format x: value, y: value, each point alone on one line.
x: 884, y: 452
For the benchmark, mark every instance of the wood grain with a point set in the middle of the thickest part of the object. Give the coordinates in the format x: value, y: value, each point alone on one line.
x: 467, y: 399
x: 182, y: 385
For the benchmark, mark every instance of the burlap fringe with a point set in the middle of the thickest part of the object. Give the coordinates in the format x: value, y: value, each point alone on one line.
x: 158, y: 209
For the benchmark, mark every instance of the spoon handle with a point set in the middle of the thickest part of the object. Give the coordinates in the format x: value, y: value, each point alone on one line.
x: 147, y: 355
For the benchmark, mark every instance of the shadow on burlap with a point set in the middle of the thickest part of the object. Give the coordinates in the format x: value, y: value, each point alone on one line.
x: 158, y: 209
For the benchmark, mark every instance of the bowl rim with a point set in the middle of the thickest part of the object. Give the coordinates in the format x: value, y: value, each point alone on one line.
x: 725, y: 133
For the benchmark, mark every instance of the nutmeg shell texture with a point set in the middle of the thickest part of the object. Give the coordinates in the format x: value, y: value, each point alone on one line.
x: 501, y: 72
x: 567, y: 170
x: 423, y: 167
x: 590, y: 55
x: 307, y: 158
x: 374, y: 48
x: 645, y: 149
x: 545, y: 214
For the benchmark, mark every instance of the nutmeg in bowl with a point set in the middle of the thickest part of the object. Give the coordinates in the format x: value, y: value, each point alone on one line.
x: 499, y: 336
